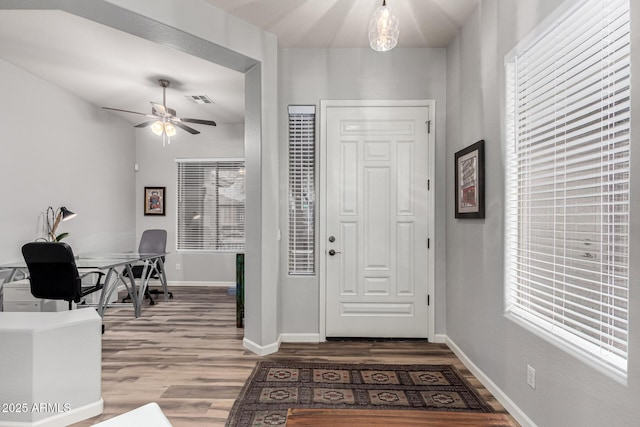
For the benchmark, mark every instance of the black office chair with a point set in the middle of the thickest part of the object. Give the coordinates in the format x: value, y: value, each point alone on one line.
x: 151, y: 241
x: 53, y: 273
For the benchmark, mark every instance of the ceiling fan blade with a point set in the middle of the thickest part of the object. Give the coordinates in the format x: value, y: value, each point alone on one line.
x: 200, y: 122
x: 192, y: 131
x: 158, y: 108
x: 145, y: 124
x: 125, y: 111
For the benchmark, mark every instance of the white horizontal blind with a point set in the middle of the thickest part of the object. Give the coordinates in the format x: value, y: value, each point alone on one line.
x: 211, y: 205
x: 302, y: 199
x: 568, y: 182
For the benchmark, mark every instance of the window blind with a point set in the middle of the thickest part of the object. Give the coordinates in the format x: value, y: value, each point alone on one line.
x: 567, y: 191
x: 302, y: 125
x: 211, y: 205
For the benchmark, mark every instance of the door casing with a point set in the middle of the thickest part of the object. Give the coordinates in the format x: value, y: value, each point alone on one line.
x: 430, y: 196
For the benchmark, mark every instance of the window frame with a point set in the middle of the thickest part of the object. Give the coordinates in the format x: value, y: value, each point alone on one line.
x: 607, y: 361
x: 215, y: 240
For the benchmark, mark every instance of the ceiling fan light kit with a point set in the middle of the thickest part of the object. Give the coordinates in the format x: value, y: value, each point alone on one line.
x: 384, y: 29
x: 165, y: 122
x: 158, y: 128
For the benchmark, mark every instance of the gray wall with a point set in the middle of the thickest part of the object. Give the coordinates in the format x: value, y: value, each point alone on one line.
x: 225, y: 40
x: 157, y: 168
x: 58, y: 150
x: 307, y: 76
x: 569, y: 393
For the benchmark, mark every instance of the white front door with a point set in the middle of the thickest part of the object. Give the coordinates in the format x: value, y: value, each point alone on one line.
x: 375, y: 247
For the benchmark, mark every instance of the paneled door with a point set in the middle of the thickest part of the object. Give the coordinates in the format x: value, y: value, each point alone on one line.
x: 376, y: 229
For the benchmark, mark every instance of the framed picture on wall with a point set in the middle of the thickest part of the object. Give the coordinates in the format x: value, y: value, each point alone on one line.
x: 154, y: 200
x: 469, y: 181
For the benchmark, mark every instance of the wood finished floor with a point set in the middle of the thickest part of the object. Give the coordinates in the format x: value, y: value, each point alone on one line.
x: 187, y: 355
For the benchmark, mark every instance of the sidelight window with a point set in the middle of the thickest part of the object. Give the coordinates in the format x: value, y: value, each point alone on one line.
x: 302, y: 194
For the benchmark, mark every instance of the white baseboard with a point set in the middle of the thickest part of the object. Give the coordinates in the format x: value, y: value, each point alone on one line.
x: 440, y: 338
x: 509, y: 405
x: 201, y: 283
x: 310, y: 338
x: 261, y: 350
x: 177, y: 284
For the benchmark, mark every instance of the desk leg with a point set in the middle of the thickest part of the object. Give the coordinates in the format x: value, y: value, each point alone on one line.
x: 13, y: 273
x: 107, y: 290
x: 136, y: 295
x: 163, y: 280
x: 12, y: 276
x: 144, y: 283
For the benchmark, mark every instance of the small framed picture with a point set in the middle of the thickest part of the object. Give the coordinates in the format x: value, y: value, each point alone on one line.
x: 154, y: 200
x: 469, y: 167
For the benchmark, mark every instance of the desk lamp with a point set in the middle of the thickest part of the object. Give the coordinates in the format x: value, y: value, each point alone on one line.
x: 54, y: 218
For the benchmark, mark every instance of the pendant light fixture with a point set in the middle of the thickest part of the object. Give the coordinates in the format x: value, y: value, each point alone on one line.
x: 384, y: 28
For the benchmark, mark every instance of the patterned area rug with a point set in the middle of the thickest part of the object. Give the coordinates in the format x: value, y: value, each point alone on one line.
x: 275, y: 386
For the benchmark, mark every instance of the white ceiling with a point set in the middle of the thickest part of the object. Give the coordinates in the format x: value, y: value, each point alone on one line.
x: 111, y: 68
x: 344, y: 23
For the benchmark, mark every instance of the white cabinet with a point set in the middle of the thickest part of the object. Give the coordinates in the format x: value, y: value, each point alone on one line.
x: 22, y: 305
x: 17, y: 297
x: 53, y: 359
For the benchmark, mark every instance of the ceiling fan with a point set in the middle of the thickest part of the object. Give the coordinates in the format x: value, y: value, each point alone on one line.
x: 164, y: 121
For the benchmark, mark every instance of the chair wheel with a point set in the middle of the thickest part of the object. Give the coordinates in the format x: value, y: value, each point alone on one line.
x: 151, y: 302
x: 170, y: 295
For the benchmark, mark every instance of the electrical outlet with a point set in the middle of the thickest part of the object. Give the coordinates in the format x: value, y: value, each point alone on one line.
x: 178, y: 267
x: 531, y: 377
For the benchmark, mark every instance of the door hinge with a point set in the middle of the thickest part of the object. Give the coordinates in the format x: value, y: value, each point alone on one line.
x: 428, y: 300
x: 428, y: 185
x: 428, y: 126
x: 428, y: 243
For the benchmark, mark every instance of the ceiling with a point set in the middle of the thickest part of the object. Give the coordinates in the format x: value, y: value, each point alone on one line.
x: 111, y: 68
x: 344, y: 23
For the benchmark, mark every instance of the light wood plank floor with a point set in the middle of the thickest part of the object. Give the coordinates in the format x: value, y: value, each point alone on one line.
x: 187, y: 355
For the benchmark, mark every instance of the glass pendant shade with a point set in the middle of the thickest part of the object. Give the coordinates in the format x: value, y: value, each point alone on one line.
x: 169, y: 129
x: 384, y: 28
x: 157, y: 128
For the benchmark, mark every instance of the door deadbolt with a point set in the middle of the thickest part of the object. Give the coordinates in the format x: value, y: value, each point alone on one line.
x: 332, y: 252
x: 332, y: 239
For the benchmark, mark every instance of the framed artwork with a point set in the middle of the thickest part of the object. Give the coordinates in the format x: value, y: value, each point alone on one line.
x: 154, y: 200
x: 469, y: 167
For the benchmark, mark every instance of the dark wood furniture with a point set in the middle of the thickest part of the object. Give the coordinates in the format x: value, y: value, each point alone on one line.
x: 397, y: 418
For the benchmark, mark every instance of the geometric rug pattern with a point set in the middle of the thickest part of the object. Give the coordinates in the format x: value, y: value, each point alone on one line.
x: 276, y: 386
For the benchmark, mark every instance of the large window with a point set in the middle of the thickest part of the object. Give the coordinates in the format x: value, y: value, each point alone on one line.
x: 211, y: 205
x: 567, y: 174
x: 302, y: 198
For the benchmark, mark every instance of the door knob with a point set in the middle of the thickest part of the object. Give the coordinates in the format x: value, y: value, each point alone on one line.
x: 332, y: 239
x: 332, y: 252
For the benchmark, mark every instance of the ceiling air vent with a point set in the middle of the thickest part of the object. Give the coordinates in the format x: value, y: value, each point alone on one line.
x: 199, y: 99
